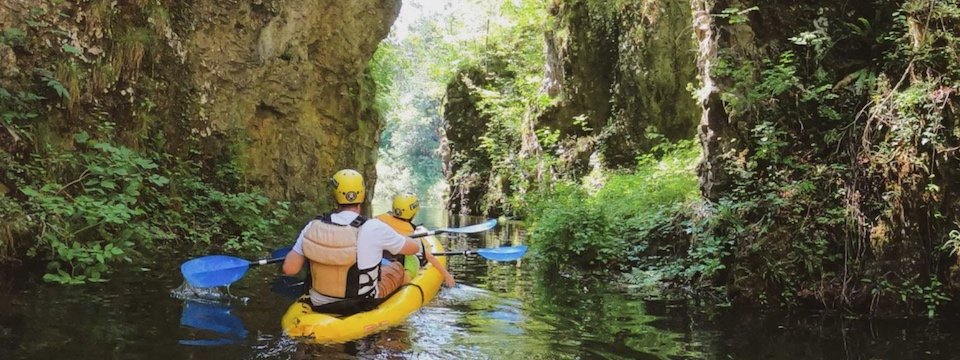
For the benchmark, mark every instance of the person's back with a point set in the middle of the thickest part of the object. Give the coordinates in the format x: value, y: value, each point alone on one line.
x: 345, y: 250
x: 404, y: 208
x: 400, y: 218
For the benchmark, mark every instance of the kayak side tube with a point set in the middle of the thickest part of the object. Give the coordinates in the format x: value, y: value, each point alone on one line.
x: 300, y: 321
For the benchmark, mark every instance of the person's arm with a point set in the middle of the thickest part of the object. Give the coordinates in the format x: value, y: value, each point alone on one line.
x: 447, y: 278
x: 294, y: 260
x: 388, y: 238
x: 410, y: 247
x: 293, y: 263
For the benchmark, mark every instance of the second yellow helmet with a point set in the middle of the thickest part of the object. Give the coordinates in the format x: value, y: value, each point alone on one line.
x: 405, y: 206
x: 348, y: 187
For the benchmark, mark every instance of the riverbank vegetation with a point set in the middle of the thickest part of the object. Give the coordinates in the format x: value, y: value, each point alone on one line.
x: 828, y: 137
x: 607, y: 220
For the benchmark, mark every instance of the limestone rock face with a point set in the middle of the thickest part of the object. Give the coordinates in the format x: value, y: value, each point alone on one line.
x: 289, y: 78
x: 621, y: 69
x: 278, y: 88
x: 465, y: 165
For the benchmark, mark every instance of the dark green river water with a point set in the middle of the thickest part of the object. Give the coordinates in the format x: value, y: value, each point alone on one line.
x: 498, y: 311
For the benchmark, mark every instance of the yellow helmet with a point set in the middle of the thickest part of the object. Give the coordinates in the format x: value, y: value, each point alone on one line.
x: 405, y: 206
x: 347, y: 187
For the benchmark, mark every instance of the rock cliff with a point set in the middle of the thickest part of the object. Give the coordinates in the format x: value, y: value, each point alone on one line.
x: 278, y: 88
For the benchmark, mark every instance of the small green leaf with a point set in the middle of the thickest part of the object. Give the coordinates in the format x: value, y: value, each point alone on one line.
x: 70, y: 49
x: 81, y: 137
x: 52, y: 278
x: 159, y: 180
x: 58, y: 87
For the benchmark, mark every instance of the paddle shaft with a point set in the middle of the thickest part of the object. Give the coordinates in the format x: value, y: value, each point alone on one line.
x: 449, y: 253
x: 266, y: 261
x: 428, y: 233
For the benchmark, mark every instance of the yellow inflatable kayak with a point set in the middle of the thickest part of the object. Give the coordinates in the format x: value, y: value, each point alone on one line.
x: 301, y: 321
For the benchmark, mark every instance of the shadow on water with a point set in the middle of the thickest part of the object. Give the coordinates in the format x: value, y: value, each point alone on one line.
x: 499, y: 310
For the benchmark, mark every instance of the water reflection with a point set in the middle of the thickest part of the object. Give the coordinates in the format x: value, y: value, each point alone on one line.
x: 211, y: 319
x: 594, y: 320
x: 289, y: 287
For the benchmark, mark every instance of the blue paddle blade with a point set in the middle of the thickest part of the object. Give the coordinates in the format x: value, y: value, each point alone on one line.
x: 503, y: 253
x: 282, y: 252
x: 484, y: 226
x: 214, y: 270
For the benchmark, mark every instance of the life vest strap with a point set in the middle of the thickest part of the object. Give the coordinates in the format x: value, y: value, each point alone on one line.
x: 351, y: 306
x: 327, y: 218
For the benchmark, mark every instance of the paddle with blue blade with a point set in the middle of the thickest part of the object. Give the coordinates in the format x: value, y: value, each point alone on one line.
x: 508, y: 253
x: 218, y: 270
x: 222, y: 270
x: 484, y: 226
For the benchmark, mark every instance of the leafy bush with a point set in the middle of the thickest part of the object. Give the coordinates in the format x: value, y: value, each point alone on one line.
x: 575, y: 232
x: 120, y: 202
x: 609, y: 229
x: 98, y: 205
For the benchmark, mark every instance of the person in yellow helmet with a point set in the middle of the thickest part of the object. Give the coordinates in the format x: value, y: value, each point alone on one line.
x: 345, y: 250
x: 400, y: 218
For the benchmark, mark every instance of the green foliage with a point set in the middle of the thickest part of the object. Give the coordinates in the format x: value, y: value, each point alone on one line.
x: 53, y: 83
x: 930, y: 295
x: 952, y: 245
x: 17, y: 108
x: 513, y: 61
x: 414, y: 66
x: 832, y: 164
x: 611, y: 228
x: 98, y: 206
x: 735, y: 15
x: 13, y: 36
x: 119, y: 203
x: 572, y: 233
x: 410, y: 71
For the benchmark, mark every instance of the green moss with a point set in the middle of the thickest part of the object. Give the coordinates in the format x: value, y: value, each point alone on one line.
x: 130, y: 48
x: 13, y: 225
x: 71, y: 75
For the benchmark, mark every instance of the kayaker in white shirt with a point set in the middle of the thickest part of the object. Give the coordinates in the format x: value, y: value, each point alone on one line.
x: 345, y: 249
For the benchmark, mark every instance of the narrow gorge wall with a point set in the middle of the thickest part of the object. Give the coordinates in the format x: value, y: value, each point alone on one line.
x: 465, y: 165
x: 831, y: 150
x: 615, y: 72
x: 620, y: 69
x: 280, y: 88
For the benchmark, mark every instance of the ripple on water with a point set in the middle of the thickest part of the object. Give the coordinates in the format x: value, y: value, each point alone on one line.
x: 219, y: 294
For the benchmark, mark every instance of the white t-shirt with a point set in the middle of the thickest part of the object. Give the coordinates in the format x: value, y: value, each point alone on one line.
x: 374, y: 238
